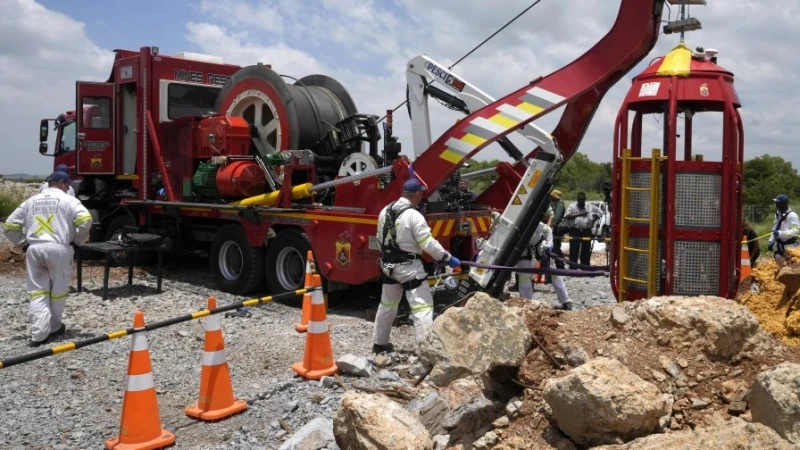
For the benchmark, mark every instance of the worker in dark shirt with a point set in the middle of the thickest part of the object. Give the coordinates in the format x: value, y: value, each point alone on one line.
x: 753, y: 246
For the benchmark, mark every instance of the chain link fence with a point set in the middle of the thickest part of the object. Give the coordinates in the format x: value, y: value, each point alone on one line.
x: 757, y: 213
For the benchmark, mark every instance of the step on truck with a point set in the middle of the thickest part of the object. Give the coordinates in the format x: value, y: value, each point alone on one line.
x: 256, y: 167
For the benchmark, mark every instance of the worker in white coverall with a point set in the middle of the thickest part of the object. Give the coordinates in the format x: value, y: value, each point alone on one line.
x: 541, y: 244
x: 51, y: 221
x: 60, y: 168
x: 403, y: 234
x: 785, y: 227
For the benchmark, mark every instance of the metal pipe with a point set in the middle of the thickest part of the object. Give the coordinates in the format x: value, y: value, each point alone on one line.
x: 350, y: 179
x: 478, y: 173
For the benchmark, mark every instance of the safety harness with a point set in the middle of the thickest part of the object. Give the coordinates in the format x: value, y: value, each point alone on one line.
x: 781, y: 245
x: 391, y: 253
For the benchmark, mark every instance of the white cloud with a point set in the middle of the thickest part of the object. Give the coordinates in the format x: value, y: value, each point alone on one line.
x: 365, y: 44
x: 42, y: 53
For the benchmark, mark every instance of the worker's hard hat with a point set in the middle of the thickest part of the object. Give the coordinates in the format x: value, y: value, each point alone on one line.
x: 556, y: 193
x: 413, y: 185
x: 62, y: 168
x: 782, y: 198
x: 58, y: 176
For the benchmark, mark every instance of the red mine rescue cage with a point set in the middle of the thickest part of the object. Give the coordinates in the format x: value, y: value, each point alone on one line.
x: 691, y: 245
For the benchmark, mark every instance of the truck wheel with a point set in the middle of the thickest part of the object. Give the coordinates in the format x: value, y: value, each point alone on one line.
x: 237, y: 267
x: 286, y: 262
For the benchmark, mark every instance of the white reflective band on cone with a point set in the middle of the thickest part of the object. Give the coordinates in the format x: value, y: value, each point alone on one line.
x: 214, y: 358
x: 317, y: 327
x: 745, y: 262
x: 139, y: 341
x: 140, y: 382
x: 317, y: 298
x: 212, y: 323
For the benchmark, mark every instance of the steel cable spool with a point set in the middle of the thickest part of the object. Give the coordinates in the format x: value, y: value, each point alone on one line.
x: 289, y: 116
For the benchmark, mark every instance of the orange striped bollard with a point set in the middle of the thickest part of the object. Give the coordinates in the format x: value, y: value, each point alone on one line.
x: 318, y: 358
x: 216, y: 399
x: 140, y: 425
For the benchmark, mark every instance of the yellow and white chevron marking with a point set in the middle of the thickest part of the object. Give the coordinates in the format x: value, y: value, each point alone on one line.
x: 450, y: 227
x: 481, y: 129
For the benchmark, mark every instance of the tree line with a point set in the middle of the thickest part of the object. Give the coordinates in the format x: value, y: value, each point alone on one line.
x: 764, y: 177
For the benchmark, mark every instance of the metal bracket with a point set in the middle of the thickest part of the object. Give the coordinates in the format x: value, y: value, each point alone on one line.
x: 250, y: 215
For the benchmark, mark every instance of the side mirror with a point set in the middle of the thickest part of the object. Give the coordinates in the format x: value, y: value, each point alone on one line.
x: 43, y: 129
x: 43, y: 148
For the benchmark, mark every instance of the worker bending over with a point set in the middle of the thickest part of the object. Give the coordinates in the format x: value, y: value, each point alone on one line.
x: 785, y: 228
x: 60, y: 168
x: 540, y: 245
x: 52, y: 222
x: 403, y: 233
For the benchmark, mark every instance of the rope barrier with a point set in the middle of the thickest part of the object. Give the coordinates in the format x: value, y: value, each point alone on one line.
x: 70, y: 346
x: 578, y: 265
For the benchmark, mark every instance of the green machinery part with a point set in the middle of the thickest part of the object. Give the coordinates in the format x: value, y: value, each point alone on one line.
x: 204, y: 181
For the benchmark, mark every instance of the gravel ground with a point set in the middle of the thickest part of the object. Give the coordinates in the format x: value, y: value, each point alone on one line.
x: 73, y: 400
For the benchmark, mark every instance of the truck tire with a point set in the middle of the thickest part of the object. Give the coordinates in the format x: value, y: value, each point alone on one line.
x: 286, y: 262
x: 237, y: 267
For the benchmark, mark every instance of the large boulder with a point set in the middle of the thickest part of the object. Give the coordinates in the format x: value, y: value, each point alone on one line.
x: 375, y: 422
x: 314, y: 435
x: 775, y: 400
x: 602, y: 402
x: 482, y: 335
x: 731, y: 434
x: 720, y: 327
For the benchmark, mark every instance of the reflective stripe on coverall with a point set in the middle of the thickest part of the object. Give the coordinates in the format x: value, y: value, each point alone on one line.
x: 413, y: 236
x: 544, y: 236
x: 52, y: 221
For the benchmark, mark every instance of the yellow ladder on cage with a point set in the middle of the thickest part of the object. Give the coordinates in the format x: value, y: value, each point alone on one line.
x: 652, y: 241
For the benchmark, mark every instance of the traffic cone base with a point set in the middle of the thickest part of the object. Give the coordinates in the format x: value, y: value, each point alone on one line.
x: 140, y: 425
x: 318, y: 359
x: 216, y: 400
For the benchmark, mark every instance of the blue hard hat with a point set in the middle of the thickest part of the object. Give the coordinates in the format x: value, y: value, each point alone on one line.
x: 413, y: 185
x: 62, y: 168
x: 782, y: 198
x: 58, y: 176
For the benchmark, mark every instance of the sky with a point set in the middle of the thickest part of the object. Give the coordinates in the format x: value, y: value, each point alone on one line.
x: 46, y: 46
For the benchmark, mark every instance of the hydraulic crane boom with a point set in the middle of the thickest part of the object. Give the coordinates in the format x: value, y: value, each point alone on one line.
x: 578, y: 87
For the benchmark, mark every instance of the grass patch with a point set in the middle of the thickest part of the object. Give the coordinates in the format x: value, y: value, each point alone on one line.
x: 10, y: 198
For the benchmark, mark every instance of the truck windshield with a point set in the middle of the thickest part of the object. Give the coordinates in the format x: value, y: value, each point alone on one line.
x: 67, y: 141
x: 190, y: 100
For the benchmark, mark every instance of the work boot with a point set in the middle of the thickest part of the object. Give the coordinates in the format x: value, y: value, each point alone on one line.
x: 32, y: 343
x: 388, y: 348
x: 569, y: 306
x: 61, y: 330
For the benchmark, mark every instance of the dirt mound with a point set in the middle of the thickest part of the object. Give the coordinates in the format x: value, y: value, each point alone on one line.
x: 701, y: 387
x: 774, y: 303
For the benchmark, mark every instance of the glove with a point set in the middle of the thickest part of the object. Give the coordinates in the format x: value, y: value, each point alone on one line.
x: 770, y: 246
x: 776, y: 234
x: 454, y: 262
x: 548, y: 250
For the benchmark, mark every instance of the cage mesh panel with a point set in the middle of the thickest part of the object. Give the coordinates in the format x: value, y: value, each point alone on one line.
x: 697, y: 200
x: 696, y: 270
x: 640, y: 201
x: 637, y: 263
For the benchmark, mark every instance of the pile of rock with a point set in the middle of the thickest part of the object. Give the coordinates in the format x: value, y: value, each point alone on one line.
x: 669, y: 372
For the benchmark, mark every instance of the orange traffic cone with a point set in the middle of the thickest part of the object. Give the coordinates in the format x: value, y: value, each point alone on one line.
x: 746, y: 270
x: 140, y: 426
x: 216, y: 392
x: 318, y: 359
x: 302, y: 327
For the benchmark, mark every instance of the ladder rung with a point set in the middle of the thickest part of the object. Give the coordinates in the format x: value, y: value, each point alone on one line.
x: 634, y: 280
x: 638, y: 219
x: 638, y: 158
x: 637, y: 250
x: 637, y: 189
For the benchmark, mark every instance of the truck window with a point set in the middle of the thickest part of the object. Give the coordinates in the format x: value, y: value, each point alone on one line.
x: 96, y: 113
x: 184, y: 100
x: 67, y: 141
